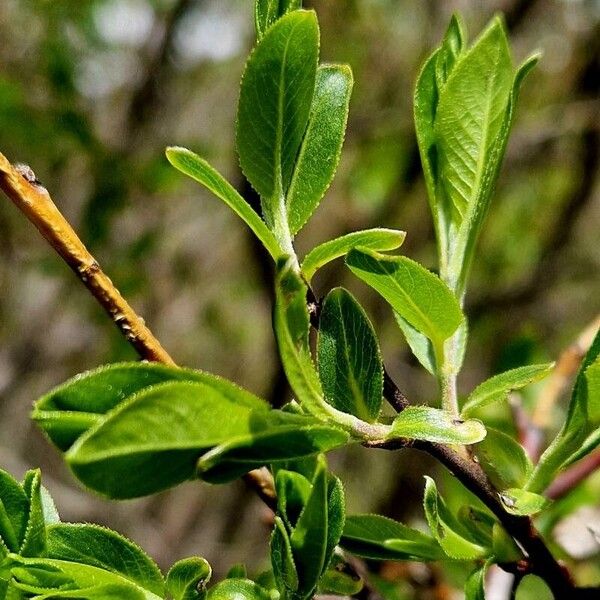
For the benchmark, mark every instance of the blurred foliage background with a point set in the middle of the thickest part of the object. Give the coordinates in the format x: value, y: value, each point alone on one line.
x: 91, y: 93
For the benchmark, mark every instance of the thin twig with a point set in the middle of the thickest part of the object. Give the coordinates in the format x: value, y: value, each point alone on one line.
x: 35, y: 203
x: 574, y: 475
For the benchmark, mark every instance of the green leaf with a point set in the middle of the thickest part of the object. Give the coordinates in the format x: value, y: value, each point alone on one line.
x: 187, y: 578
x: 100, y: 547
x: 413, y: 292
x: 521, y: 502
x: 322, y: 144
x: 266, y: 12
x: 475, y: 585
x: 503, y: 459
x: 445, y: 528
x: 374, y: 239
x: 379, y: 538
x: 435, y: 425
x: 34, y: 539
x: 505, y: 548
x: 198, y: 169
x: 282, y: 558
x: 280, y: 438
x: 309, y: 538
x: 337, y: 580
x: 450, y: 50
x: 274, y: 106
x: 293, y: 490
x: 577, y: 427
x: 336, y: 516
x: 419, y: 344
x: 77, y: 405
x: 14, y: 509
x: 291, y: 323
x: 348, y: 356
x: 499, y: 387
x: 237, y: 571
x: 478, y: 523
x: 152, y: 441
x: 237, y: 589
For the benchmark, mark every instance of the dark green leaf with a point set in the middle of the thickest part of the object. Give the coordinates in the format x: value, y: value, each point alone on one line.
x: 374, y: 239
x: 273, y: 110
x: 445, y: 528
x: 322, y: 144
x: 499, y: 387
x: 435, y: 425
x: 198, y: 169
x: 349, y: 360
x: 14, y: 508
x: 336, y: 516
x: 187, y: 578
x: 379, y: 538
x: 504, y: 460
x: 414, y: 293
x: 99, y: 547
x: 152, y: 440
x: 293, y: 490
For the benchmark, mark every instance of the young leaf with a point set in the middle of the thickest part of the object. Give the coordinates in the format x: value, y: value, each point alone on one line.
x: 475, y: 585
x: 273, y: 110
x: 240, y: 589
x: 14, y: 509
x: 499, y: 387
x: 504, y: 546
x: 435, y: 425
x: 152, y: 440
x: 348, y: 356
x: 339, y: 580
x: 415, y: 293
x: 522, y: 502
x: 336, y: 516
x: 309, y: 538
x: 374, y: 239
x: 420, y: 345
x: 322, y: 144
x: 34, y: 539
x: 270, y: 443
x: 266, y: 12
x: 100, y: 547
x: 503, y: 459
x: 198, y: 169
x: 293, y: 490
x: 379, y: 538
x: 291, y: 323
x: 282, y: 558
x: 77, y: 405
x: 450, y: 50
x: 187, y: 577
x: 445, y: 528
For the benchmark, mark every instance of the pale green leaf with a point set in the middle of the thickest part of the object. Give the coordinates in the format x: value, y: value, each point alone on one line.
x: 499, y: 387
x: 475, y: 584
x: 521, y: 502
x: 274, y: 106
x: 237, y: 589
x: 348, y: 356
x: 445, y: 528
x: 374, y: 239
x: 187, y: 578
x: 266, y: 12
x: 322, y: 144
x: 152, y: 440
x: 415, y: 293
x: 435, y: 425
x: 419, y: 344
x: 198, y: 169
x: 503, y: 459
x: 379, y: 538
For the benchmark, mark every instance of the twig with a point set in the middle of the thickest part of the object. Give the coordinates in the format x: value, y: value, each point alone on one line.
x: 566, y: 367
x: 574, y: 475
x: 35, y: 203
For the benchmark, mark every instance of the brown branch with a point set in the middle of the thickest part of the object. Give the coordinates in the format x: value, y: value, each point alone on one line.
x: 35, y: 203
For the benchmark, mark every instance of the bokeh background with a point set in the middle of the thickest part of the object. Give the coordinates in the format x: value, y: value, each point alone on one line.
x: 91, y: 92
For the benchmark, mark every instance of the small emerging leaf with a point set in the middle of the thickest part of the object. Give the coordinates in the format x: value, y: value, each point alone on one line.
x: 373, y: 239
x: 498, y: 387
x: 187, y: 578
x: 266, y: 12
x: 240, y: 589
x: 198, y: 169
x: 521, y: 502
x: 435, y: 425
